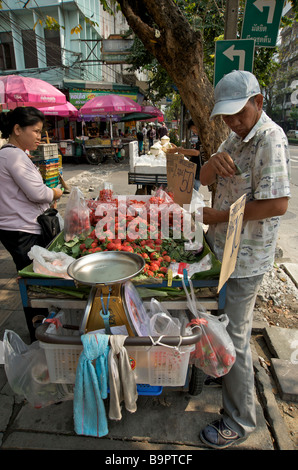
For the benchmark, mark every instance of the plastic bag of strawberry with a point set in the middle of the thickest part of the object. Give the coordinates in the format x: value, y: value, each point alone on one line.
x: 77, y: 215
x: 215, y: 352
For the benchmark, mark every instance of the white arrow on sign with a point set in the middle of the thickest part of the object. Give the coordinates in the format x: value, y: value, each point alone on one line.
x: 230, y: 53
x: 260, y: 4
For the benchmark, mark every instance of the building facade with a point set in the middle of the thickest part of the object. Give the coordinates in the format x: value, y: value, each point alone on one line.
x: 288, y: 73
x: 61, y: 42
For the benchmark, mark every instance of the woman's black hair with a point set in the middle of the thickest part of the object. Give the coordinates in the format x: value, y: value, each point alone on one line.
x: 24, y: 116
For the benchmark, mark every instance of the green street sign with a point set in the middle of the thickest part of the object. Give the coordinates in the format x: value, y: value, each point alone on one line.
x: 261, y: 21
x: 237, y: 54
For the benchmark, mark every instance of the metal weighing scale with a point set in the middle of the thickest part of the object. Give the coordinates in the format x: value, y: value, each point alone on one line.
x: 113, y: 300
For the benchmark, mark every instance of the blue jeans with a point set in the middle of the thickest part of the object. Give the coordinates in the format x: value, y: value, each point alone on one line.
x: 238, y: 390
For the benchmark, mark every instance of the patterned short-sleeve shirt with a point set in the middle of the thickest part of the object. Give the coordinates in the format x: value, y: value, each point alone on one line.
x: 264, y: 160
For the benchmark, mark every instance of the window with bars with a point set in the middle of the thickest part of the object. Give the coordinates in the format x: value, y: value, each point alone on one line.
x: 7, y: 57
x: 53, y: 47
x: 29, y: 48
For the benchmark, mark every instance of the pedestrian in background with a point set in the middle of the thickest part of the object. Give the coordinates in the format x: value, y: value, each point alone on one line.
x: 140, y: 138
x: 23, y: 194
x: 144, y: 130
x: 151, y: 135
x: 253, y: 160
x: 162, y: 131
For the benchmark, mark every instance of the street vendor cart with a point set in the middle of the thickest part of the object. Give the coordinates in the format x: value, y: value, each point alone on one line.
x: 84, y: 306
x: 100, y: 149
x: 110, y: 286
x: 146, y: 176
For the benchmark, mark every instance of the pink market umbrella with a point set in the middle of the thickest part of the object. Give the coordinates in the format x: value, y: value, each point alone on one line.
x: 110, y: 105
x: 61, y: 110
x: 16, y: 90
x: 155, y: 113
x: 152, y: 110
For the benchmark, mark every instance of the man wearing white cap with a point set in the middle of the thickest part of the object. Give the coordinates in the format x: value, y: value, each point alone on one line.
x: 253, y: 160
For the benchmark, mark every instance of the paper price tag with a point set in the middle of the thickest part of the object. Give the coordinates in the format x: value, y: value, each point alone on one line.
x: 232, y: 240
x: 170, y: 277
x: 180, y: 177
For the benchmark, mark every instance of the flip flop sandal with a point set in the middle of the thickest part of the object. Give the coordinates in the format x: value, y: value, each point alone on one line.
x: 219, y: 436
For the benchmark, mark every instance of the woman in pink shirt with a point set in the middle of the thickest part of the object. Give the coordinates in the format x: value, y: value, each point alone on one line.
x: 23, y: 194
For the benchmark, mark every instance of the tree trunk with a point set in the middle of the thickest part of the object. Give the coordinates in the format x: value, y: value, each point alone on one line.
x: 167, y: 34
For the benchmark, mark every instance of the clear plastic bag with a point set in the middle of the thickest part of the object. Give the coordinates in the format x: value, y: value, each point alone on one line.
x: 215, y: 352
x: 27, y: 372
x: 77, y: 215
x: 161, y: 322
x: 50, y: 263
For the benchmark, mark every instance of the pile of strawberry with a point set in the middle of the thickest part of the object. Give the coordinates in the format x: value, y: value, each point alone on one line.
x: 156, y: 258
x: 133, y: 226
x: 130, y: 229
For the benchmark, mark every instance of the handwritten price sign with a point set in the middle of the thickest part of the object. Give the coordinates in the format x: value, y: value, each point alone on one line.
x: 232, y: 240
x: 180, y: 177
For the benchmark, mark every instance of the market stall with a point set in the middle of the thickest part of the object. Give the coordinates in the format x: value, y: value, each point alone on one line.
x: 121, y: 231
x: 111, y: 108
x: 119, y: 271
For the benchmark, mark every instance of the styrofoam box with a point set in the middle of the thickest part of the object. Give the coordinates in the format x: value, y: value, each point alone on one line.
x: 151, y: 170
x: 46, y: 150
x: 133, y: 154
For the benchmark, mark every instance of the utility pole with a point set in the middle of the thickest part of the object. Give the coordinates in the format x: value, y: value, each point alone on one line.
x: 231, y: 19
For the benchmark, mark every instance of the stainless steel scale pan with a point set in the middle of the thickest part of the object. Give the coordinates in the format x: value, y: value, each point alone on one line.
x: 108, y: 273
x: 106, y: 268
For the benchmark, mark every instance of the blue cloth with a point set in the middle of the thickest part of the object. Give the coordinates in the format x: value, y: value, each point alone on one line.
x: 91, y: 386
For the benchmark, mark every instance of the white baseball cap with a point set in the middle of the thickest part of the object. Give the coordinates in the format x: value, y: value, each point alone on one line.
x: 233, y: 91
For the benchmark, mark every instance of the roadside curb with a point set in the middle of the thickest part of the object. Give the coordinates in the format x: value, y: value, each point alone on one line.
x: 278, y: 429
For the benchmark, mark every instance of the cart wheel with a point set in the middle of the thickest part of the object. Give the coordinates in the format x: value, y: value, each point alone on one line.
x: 196, y: 382
x: 94, y: 156
x: 118, y: 159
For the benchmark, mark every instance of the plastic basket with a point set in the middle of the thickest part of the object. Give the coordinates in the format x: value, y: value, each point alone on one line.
x: 62, y: 363
x: 48, y: 165
x: 46, y: 150
x: 50, y: 173
x: 62, y: 360
x: 160, y: 365
x: 52, y: 182
x: 49, y: 161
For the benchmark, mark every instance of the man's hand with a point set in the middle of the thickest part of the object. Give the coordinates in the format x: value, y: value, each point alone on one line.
x: 222, y: 164
x: 213, y: 216
x: 172, y: 149
x: 218, y: 164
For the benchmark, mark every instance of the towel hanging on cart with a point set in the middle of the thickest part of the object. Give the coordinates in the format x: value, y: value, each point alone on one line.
x: 122, y: 380
x: 91, y: 386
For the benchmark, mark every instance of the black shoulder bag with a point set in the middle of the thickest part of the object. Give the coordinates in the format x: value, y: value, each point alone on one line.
x: 50, y: 226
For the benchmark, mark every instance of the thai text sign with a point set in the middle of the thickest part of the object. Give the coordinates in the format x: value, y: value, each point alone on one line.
x: 232, y: 240
x: 180, y: 178
x: 261, y: 21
